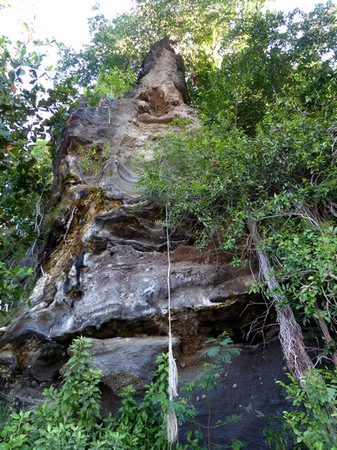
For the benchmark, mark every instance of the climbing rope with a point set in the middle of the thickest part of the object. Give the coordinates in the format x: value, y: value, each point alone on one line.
x: 172, y: 424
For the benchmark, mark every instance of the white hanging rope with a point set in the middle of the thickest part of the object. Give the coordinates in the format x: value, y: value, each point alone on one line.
x: 172, y: 424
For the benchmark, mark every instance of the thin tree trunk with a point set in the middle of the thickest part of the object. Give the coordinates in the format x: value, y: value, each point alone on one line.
x: 291, y: 337
x: 327, y: 336
x: 309, y: 218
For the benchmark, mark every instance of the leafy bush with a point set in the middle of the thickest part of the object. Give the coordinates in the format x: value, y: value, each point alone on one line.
x: 11, y: 292
x: 111, y: 84
x: 314, y: 421
x: 70, y: 417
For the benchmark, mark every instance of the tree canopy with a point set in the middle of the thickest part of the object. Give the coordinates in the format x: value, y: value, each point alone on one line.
x: 32, y: 109
x: 267, y: 150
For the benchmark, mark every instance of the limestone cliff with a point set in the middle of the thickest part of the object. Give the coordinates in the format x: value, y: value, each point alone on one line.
x: 105, y: 268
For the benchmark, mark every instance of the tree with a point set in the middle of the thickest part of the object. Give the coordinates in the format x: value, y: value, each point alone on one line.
x: 20, y: 128
x: 27, y: 108
x: 197, y: 26
x: 275, y: 184
x: 269, y: 58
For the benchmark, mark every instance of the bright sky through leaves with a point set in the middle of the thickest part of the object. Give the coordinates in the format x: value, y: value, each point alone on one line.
x: 66, y: 20
x: 289, y: 5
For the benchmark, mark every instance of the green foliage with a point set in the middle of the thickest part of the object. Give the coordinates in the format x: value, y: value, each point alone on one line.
x: 268, y: 151
x: 218, y: 175
x: 111, y: 84
x: 23, y: 191
x: 280, y: 169
x: 314, y: 419
x: 16, y: 432
x: 25, y: 164
x: 70, y: 417
x: 278, y: 434
x: 198, y: 28
x: 219, y: 350
x: 27, y: 108
x: 21, y: 213
x: 267, y: 94
x: 93, y: 157
x: 11, y: 290
x: 199, y: 173
x: 144, y: 424
x: 308, y: 276
x: 19, y: 128
x: 272, y: 58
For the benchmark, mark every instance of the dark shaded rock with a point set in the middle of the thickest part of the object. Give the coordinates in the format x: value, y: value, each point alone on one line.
x: 247, y: 389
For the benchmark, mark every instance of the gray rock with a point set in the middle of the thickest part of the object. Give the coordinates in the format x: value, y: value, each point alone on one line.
x: 126, y: 361
x: 106, y: 272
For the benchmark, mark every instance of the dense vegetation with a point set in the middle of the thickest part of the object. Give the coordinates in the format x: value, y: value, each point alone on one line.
x: 28, y: 110
x: 70, y: 417
x: 259, y: 176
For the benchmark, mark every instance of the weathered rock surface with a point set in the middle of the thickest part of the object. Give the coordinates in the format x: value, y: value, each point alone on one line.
x: 118, y: 371
x: 105, y: 271
x: 248, y: 389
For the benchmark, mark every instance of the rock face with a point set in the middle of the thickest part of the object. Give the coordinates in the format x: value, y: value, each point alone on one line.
x: 104, y: 274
